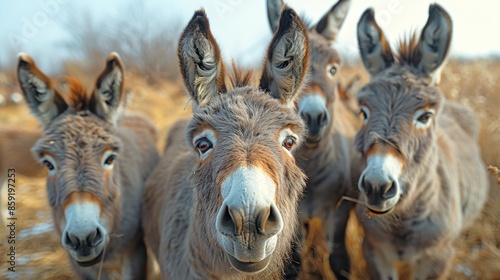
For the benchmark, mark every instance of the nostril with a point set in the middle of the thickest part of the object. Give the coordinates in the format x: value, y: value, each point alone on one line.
x: 269, y: 221
x: 71, y: 241
x: 95, y: 238
x: 231, y: 222
x: 323, y: 118
x: 390, y: 190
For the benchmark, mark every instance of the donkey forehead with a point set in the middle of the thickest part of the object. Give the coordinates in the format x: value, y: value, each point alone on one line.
x: 398, y: 94
x: 322, y: 52
x: 243, y: 110
x: 72, y: 132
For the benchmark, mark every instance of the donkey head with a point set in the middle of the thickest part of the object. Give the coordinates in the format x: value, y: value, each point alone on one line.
x: 246, y: 182
x: 400, y: 106
x: 79, y: 149
x: 316, y: 107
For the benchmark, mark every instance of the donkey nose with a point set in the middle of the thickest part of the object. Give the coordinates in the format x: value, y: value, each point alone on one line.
x: 266, y: 221
x: 315, y: 118
x: 78, y: 240
x: 377, y: 186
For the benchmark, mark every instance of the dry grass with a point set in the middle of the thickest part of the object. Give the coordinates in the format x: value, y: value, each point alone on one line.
x: 473, y: 84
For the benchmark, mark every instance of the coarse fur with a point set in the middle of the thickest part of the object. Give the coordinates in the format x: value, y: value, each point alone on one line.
x: 98, y: 158
x: 328, y: 157
x: 432, y: 182
x: 189, y: 213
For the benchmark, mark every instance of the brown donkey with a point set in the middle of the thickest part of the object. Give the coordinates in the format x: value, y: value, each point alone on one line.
x: 328, y: 155
x: 424, y: 180
x: 222, y: 202
x: 97, y: 163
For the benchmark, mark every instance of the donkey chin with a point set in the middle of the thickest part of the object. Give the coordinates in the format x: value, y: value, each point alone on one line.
x: 248, y: 221
x: 84, y: 235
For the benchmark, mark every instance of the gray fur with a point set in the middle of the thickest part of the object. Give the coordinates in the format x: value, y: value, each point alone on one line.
x: 443, y: 181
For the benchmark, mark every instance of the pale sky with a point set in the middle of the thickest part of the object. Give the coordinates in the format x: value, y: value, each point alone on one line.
x: 240, y: 26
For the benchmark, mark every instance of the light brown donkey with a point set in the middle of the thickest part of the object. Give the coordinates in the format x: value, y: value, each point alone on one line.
x: 328, y: 156
x: 222, y: 203
x: 97, y: 162
x: 424, y: 180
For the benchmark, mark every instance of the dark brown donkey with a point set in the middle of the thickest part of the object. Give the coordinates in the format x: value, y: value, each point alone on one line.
x: 328, y: 156
x: 97, y: 162
x: 222, y: 202
x: 425, y: 179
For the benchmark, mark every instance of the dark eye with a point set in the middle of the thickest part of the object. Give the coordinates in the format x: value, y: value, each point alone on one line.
x: 289, y: 142
x: 203, y: 145
x: 110, y: 160
x: 425, y: 117
x: 332, y: 70
x: 49, y: 165
x: 365, y: 112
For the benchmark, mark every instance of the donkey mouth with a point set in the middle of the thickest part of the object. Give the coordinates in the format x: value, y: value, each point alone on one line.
x: 376, y: 212
x: 91, y: 262
x: 249, y: 267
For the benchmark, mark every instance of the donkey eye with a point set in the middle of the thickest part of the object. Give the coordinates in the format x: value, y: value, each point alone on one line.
x: 49, y: 165
x: 110, y: 160
x: 365, y: 112
x: 288, y: 143
x: 204, y: 145
x: 422, y: 118
x: 425, y: 117
x: 332, y: 70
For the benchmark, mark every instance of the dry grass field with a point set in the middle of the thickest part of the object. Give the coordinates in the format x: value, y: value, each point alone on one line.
x: 472, y: 83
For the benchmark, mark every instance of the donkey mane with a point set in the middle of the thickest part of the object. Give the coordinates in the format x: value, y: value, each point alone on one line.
x: 408, y: 50
x: 240, y: 77
x: 79, y: 98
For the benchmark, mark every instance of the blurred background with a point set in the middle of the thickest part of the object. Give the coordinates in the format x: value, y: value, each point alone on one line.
x: 74, y: 38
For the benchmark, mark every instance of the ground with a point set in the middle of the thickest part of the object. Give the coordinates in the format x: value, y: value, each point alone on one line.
x: 472, y: 83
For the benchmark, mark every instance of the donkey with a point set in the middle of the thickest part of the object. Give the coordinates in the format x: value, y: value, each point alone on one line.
x: 328, y: 156
x: 97, y: 162
x: 222, y: 202
x: 424, y: 180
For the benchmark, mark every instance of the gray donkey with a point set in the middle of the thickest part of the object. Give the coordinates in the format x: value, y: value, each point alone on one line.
x: 222, y: 203
x: 97, y: 163
x: 424, y: 181
x: 328, y: 156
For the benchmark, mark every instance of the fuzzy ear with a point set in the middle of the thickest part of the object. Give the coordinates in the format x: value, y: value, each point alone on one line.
x: 375, y: 51
x: 108, y: 98
x: 274, y: 8
x: 287, y: 60
x: 435, y: 41
x: 42, y: 98
x: 200, y: 60
x: 329, y: 25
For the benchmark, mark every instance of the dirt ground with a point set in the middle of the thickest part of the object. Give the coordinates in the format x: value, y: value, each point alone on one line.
x: 474, y: 84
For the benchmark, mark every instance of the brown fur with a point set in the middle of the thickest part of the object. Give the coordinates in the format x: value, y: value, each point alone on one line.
x: 183, y: 194
x: 76, y: 137
x: 443, y: 180
x: 328, y: 156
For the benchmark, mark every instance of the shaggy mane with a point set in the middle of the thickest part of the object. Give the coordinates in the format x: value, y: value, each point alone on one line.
x: 408, y: 50
x: 240, y: 77
x: 79, y: 99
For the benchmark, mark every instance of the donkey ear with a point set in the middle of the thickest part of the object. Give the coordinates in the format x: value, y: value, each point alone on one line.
x: 108, y: 98
x: 435, y: 41
x: 42, y: 98
x: 274, y: 8
x: 373, y: 46
x: 287, y: 60
x: 329, y: 25
x: 200, y: 60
